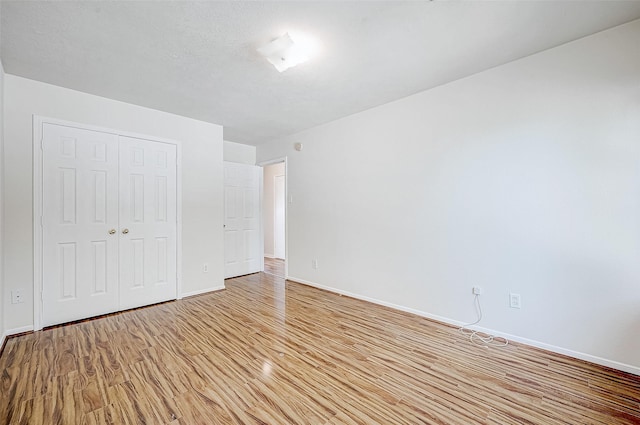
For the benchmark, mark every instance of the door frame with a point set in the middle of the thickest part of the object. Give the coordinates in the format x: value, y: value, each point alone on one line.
x: 283, y: 202
x: 38, y: 123
x: 286, y: 207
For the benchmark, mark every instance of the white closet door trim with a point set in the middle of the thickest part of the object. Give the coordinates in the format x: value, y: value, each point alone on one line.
x: 38, y: 122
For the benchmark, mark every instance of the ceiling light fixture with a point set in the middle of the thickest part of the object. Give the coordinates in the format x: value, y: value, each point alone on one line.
x: 289, y: 50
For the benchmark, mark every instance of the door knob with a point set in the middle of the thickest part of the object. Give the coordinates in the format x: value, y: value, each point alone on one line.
x: 112, y: 231
x: 125, y: 231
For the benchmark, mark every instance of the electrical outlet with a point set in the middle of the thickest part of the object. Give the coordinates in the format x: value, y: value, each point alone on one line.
x: 314, y: 263
x: 205, y: 268
x: 17, y: 296
x: 476, y: 290
x: 514, y: 300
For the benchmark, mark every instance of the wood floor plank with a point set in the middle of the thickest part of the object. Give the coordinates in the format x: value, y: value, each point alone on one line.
x: 268, y: 351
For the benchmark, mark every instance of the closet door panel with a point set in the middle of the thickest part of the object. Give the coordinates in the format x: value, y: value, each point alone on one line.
x: 243, y: 245
x: 79, y: 222
x: 148, y: 208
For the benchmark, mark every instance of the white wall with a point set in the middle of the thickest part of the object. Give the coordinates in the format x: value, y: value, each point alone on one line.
x: 201, y: 180
x: 2, y: 292
x: 237, y: 152
x: 270, y: 172
x: 524, y: 178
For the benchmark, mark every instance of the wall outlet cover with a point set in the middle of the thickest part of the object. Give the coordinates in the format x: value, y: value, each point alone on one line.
x: 515, y: 300
x: 17, y: 296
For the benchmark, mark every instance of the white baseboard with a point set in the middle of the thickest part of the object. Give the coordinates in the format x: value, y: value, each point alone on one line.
x: 202, y: 291
x: 575, y: 354
x: 19, y: 330
x: 269, y: 255
x: 7, y: 333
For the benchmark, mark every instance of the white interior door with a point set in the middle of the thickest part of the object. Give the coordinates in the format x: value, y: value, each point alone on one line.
x: 243, y: 248
x: 147, y: 222
x: 278, y: 217
x: 79, y: 223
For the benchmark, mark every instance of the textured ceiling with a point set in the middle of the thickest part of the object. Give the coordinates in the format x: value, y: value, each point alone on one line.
x: 199, y: 59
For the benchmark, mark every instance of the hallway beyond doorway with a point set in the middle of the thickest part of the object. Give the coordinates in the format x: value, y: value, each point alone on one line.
x: 274, y: 266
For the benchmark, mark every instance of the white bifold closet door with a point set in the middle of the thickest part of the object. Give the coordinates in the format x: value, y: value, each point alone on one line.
x: 109, y: 223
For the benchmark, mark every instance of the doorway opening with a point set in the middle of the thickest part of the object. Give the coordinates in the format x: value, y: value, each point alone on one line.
x: 275, y: 217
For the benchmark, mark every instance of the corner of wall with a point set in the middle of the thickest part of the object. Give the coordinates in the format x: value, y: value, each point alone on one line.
x: 237, y: 152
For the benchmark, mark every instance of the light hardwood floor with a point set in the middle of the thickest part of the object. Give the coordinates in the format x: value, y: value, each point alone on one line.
x: 269, y: 352
x: 274, y: 266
